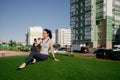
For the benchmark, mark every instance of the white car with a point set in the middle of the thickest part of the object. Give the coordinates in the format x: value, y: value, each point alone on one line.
x: 59, y: 51
x: 116, y: 49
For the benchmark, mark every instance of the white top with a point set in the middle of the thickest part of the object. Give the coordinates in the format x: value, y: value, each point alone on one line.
x: 45, y: 47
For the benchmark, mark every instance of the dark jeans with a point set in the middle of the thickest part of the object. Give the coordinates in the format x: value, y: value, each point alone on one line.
x: 36, y: 55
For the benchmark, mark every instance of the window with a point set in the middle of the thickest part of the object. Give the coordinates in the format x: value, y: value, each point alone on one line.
x: 76, y: 11
x: 81, y: 4
x: 99, y: 10
x: 76, y: 31
x: 87, y: 1
x: 81, y: 31
x: 99, y: 14
x: 88, y: 37
x: 76, y: 18
x: 72, y: 19
x: 76, y: 25
x: 87, y: 4
x: 88, y: 19
x: 76, y: 6
x: 99, y: 6
x: 81, y: 18
x: 81, y: 24
x: 99, y: 37
x: 87, y: 29
x: 81, y: 38
x: 81, y: 10
x: 87, y: 14
x: 72, y: 1
x: 87, y: 22
x: 88, y: 8
x: 87, y: 33
x: 76, y: 38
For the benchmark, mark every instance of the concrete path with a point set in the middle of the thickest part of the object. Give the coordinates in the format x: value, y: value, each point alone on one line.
x: 12, y: 53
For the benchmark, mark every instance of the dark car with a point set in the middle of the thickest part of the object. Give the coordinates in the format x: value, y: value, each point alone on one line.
x: 116, y: 55
x: 107, y: 54
x: 104, y: 53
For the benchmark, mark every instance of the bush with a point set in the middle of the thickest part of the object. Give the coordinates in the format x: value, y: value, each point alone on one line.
x: 13, y: 49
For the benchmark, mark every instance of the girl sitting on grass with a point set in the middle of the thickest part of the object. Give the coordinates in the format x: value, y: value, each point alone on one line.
x: 45, y: 44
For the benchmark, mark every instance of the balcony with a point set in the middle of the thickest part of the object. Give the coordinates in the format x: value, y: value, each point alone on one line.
x: 99, y: 1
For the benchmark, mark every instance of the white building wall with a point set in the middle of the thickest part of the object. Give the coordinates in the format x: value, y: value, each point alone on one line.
x: 34, y: 32
x: 108, y: 7
x: 54, y: 38
x: 64, y: 37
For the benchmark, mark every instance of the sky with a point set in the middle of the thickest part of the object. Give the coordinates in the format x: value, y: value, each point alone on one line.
x: 16, y: 16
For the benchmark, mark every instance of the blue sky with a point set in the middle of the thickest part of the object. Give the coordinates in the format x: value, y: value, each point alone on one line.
x: 16, y: 16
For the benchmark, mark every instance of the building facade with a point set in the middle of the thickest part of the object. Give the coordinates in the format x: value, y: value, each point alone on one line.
x: 54, y: 38
x: 33, y: 32
x: 95, y: 23
x: 63, y: 37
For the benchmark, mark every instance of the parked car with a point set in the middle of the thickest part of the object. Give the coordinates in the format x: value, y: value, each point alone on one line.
x: 107, y: 54
x: 103, y: 53
x: 116, y: 55
x: 60, y: 50
x: 84, y: 50
x: 116, y: 48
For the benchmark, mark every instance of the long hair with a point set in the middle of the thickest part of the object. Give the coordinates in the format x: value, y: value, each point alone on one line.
x: 49, y: 32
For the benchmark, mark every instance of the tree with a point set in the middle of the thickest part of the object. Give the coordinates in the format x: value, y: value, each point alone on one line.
x: 4, y: 43
x: 19, y: 44
x: 12, y: 43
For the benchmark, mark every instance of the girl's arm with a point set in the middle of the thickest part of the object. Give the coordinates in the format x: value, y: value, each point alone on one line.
x: 52, y: 51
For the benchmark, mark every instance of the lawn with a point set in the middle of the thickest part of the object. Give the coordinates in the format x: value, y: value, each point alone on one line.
x: 69, y: 68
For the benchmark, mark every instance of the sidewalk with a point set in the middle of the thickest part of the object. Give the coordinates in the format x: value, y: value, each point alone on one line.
x: 12, y: 53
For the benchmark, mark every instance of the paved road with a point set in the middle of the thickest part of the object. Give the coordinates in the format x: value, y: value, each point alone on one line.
x: 12, y: 53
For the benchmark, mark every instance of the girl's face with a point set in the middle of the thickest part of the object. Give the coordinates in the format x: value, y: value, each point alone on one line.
x: 45, y: 34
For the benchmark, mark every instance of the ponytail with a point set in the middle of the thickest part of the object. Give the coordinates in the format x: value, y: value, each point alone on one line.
x: 49, y: 32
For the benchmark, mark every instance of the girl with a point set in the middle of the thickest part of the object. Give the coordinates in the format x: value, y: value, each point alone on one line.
x: 45, y: 44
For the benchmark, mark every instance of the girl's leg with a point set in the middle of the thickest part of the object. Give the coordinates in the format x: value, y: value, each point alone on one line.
x: 40, y: 57
x: 23, y: 65
x: 34, y: 60
x: 29, y: 59
x: 37, y: 56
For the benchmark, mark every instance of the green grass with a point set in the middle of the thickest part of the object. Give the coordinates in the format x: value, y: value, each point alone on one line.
x: 69, y: 68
